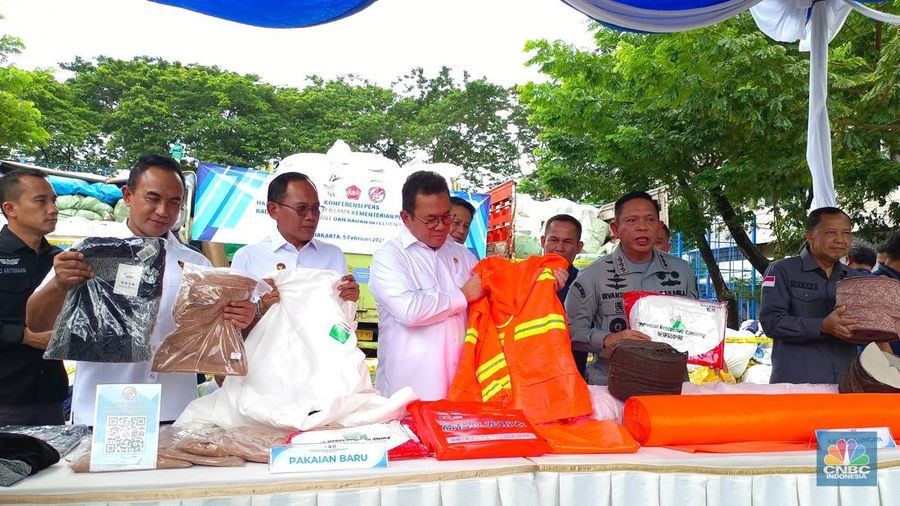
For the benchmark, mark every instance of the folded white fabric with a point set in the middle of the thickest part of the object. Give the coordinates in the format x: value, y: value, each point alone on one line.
x: 304, y: 368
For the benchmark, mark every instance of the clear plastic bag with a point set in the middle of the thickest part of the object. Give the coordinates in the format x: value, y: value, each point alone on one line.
x: 81, y: 461
x: 63, y: 438
x: 110, y: 317
x: 200, y: 447
x: 203, y: 341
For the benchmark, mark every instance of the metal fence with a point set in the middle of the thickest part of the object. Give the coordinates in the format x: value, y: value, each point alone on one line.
x: 739, y: 274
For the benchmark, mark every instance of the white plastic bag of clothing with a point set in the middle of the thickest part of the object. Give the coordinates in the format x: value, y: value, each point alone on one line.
x: 606, y: 407
x: 696, y: 327
x: 740, y: 346
x: 760, y: 374
x: 304, y: 368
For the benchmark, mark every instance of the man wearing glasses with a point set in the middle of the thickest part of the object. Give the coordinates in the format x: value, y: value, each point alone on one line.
x: 422, y: 285
x: 293, y: 203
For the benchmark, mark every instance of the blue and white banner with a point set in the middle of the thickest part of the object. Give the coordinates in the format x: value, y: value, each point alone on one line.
x: 361, y: 211
x: 477, y: 239
x: 230, y: 205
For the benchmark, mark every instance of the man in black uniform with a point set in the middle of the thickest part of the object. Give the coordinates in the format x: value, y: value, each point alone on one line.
x: 562, y: 235
x: 798, y: 297
x: 32, y: 389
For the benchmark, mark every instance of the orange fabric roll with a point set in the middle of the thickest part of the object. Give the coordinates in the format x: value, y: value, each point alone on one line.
x: 673, y: 420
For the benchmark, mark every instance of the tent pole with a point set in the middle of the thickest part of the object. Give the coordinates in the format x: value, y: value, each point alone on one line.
x: 818, y: 136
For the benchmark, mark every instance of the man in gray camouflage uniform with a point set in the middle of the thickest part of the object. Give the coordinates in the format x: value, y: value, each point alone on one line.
x: 594, y: 305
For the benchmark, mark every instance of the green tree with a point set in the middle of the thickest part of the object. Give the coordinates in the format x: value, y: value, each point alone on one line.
x: 476, y: 124
x: 718, y: 115
x: 20, y: 127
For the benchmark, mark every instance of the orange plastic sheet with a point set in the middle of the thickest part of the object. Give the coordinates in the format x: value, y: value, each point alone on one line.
x: 689, y: 420
x: 587, y: 435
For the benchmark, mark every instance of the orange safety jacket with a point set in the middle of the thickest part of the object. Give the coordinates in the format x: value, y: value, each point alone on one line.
x: 517, y: 351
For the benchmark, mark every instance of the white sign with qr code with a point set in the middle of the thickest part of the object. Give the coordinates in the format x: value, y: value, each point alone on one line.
x: 126, y: 427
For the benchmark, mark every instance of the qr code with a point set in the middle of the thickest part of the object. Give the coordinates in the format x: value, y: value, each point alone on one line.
x: 125, y: 434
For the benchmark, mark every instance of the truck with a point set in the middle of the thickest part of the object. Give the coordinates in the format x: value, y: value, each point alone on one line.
x: 516, y: 224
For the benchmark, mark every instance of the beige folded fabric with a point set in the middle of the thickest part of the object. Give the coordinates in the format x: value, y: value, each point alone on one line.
x: 203, y: 340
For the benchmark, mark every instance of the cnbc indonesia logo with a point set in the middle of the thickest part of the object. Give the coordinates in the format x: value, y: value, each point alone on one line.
x: 847, y: 459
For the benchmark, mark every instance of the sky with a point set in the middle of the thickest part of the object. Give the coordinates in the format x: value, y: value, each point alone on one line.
x: 380, y: 43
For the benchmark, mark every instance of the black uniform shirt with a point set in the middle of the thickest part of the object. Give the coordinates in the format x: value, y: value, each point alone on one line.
x: 25, y: 377
x: 796, y: 298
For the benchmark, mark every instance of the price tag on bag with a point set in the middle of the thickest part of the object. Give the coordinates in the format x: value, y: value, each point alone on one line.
x: 128, y: 280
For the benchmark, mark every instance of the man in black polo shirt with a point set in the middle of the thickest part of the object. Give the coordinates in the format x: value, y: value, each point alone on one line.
x: 32, y: 389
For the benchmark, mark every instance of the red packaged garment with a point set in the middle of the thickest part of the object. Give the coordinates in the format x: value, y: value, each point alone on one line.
x: 695, y: 327
x: 587, y: 435
x: 517, y: 351
x: 472, y: 430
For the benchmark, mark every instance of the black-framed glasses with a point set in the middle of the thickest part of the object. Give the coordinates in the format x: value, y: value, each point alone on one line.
x: 433, y: 223
x: 302, y: 210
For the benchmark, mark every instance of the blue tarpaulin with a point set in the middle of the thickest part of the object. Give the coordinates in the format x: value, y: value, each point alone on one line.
x: 274, y: 13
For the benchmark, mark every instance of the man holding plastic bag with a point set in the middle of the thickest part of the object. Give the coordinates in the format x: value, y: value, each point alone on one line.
x: 595, y: 306
x: 154, y: 195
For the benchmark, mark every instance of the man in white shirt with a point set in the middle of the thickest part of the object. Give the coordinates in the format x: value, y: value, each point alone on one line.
x: 153, y: 194
x: 422, y: 284
x: 293, y: 203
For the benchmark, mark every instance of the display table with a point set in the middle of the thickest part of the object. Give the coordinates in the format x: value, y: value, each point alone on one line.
x: 425, y: 482
x: 659, y: 476
x: 653, y: 476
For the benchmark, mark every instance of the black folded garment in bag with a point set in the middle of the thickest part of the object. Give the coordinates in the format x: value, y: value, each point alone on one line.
x: 110, y: 317
x: 22, y: 456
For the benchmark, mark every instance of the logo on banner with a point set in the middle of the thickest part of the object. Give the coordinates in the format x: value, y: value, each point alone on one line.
x: 376, y: 194
x: 353, y: 192
x: 129, y: 393
x: 847, y: 459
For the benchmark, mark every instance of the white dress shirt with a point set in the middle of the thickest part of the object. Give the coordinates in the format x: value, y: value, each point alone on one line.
x: 263, y: 257
x: 178, y: 388
x: 421, y: 314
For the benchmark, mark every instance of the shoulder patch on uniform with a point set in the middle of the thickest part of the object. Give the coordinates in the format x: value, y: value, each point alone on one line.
x: 580, y: 289
x: 768, y: 281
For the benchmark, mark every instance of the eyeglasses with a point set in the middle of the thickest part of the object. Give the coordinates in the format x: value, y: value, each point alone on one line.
x: 433, y: 223
x: 303, y: 210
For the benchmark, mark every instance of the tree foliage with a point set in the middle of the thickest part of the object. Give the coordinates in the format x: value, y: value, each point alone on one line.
x: 111, y: 111
x: 719, y: 115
